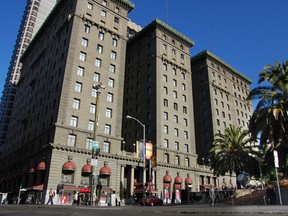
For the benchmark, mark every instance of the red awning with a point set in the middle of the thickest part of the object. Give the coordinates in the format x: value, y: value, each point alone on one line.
x: 167, y: 178
x: 36, y: 187
x: 86, y: 168
x: 105, y: 171
x: 178, y: 180
x: 69, y: 166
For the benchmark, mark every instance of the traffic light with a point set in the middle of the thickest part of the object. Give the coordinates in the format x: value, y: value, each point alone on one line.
x: 95, y: 153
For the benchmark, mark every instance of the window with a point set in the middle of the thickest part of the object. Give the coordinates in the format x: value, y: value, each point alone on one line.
x: 176, y: 146
x: 89, y: 142
x: 91, y: 125
x: 101, y: 36
x: 76, y: 103
x: 103, y: 13
x: 187, y: 163
x: 165, y: 78
x: 96, y: 77
x: 104, y: 2
x: 166, y: 158
x: 186, y: 148
x: 107, y: 129
x: 116, y: 20
x: 80, y: 71
x: 78, y: 87
x: 185, y: 135
x: 165, y: 129
x: 106, y: 147
x: 86, y: 29
x: 73, y: 121
x: 175, y: 118
x: 164, y: 46
x: 183, y: 87
x: 92, y: 108
x: 174, y: 82
x: 112, y: 68
x: 98, y: 62
x: 176, y: 132
x: 184, y: 109
x: 177, y: 160
x: 165, y: 90
x: 166, y: 143
x: 94, y: 92
x: 165, y: 115
x: 110, y: 97
x: 185, y: 122
x: 183, y: 75
x: 184, y: 98
x: 165, y: 102
x: 90, y: 6
x: 117, y: 10
x: 108, y: 113
x: 113, y: 55
x: 82, y: 56
x: 174, y: 71
x: 174, y: 94
x: 114, y: 42
x: 173, y: 52
x: 175, y: 105
x: 182, y: 56
x: 165, y: 67
x: 84, y: 42
x: 99, y: 48
x: 71, y: 141
x: 111, y: 82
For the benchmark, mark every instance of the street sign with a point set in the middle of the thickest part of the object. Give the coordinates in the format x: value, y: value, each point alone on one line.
x: 95, y: 144
x: 94, y: 162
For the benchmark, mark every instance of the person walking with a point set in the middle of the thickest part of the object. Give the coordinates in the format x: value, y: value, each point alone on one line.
x: 51, y: 196
x: 75, y: 198
x: 212, y: 196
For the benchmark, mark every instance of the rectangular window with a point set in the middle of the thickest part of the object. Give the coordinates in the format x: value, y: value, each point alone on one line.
x: 91, y: 125
x: 177, y: 160
x: 187, y: 162
x: 99, y: 48
x: 78, y: 87
x: 84, y: 42
x: 92, y: 108
x: 82, y: 56
x: 165, y: 115
x: 86, y: 29
x: 71, y: 141
x: 101, y: 36
x: 166, y: 129
x: 185, y: 122
x: 184, y: 109
x: 107, y: 129
x: 110, y: 97
x: 175, y: 118
x: 106, y: 147
x: 166, y: 143
x: 176, y: 132
x: 175, y: 105
x: 165, y: 90
x: 90, y: 6
x: 183, y: 87
x: 89, y: 142
x: 166, y: 158
x: 96, y: 77
x: 165, y: 102
x: 94, y: 92
x: 186, y: 148
x: 108, y: 113
x: 104, y: 2
x: 112, y: 68
x: 177, y: 146
x: 76, y: 103
x: 174, y: 71
x: 103, y: 13
x: 73, y: 121
x: 111, y: 82
x: 113, y: 55
x: 80, y: 71
x: 98, y: 62
x: 114, y: 42
x: 185, y: 135
x: 116, y: 20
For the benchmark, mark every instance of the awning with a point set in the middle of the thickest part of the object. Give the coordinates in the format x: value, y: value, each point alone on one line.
x: 67, y: 187
x: 36, y: 188
x: 41, y: 166
x: 69, y: 166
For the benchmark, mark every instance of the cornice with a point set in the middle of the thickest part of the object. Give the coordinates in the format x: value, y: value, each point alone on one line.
x: 125, y: 4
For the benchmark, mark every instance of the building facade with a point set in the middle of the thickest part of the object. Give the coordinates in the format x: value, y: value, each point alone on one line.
x: 35, y: 14
x: 221, y: 92
x: 59, y: 114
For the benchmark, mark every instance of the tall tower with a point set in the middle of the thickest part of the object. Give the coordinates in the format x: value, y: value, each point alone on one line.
x: 158, y: 92
x: 34, y: 15
x: 220, y: 92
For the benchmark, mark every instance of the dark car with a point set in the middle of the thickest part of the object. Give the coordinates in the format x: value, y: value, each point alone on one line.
x: 153, y: 200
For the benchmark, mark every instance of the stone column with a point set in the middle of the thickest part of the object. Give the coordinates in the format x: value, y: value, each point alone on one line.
x: 122, y: 173
x: 132, y: 181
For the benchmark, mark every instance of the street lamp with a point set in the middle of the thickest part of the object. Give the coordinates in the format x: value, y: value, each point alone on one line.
x: 95, y: 144
x: 144, y: 155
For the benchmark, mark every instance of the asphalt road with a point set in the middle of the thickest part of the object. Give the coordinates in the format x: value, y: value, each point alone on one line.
x: 179, y: 210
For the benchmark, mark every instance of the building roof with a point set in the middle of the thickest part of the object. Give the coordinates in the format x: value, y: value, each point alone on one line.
x: 160, y: 24
x: 126, y: 4
x: 209, y: 54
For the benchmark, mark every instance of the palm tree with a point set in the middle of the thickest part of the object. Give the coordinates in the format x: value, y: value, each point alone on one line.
x: 270, y: 119
x: 233, y: 152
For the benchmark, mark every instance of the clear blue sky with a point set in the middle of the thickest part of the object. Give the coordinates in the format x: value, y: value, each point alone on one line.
x: 247, y: 34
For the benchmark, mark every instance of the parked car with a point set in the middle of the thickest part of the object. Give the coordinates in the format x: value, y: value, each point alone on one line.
x: 153, y: 200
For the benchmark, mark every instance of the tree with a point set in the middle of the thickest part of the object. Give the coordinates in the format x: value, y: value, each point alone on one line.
x: 233, y: 152
x: 269, y: 120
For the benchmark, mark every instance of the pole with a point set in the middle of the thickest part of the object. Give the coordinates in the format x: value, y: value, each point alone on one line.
x: 279, y: 192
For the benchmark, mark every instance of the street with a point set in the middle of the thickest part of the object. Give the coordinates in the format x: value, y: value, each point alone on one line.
x: 176, y: 210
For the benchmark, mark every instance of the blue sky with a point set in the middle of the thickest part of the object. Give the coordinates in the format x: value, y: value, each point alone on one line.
x: 247, y: 34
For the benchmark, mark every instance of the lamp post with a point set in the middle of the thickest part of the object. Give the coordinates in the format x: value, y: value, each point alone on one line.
x: 95, y: 144
x: 144, y: 155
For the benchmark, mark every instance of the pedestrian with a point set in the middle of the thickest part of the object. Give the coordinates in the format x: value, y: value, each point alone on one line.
x: 51, y: 196
x: 75, y: 198
x: 116, y: 201
x: 212, y: 196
